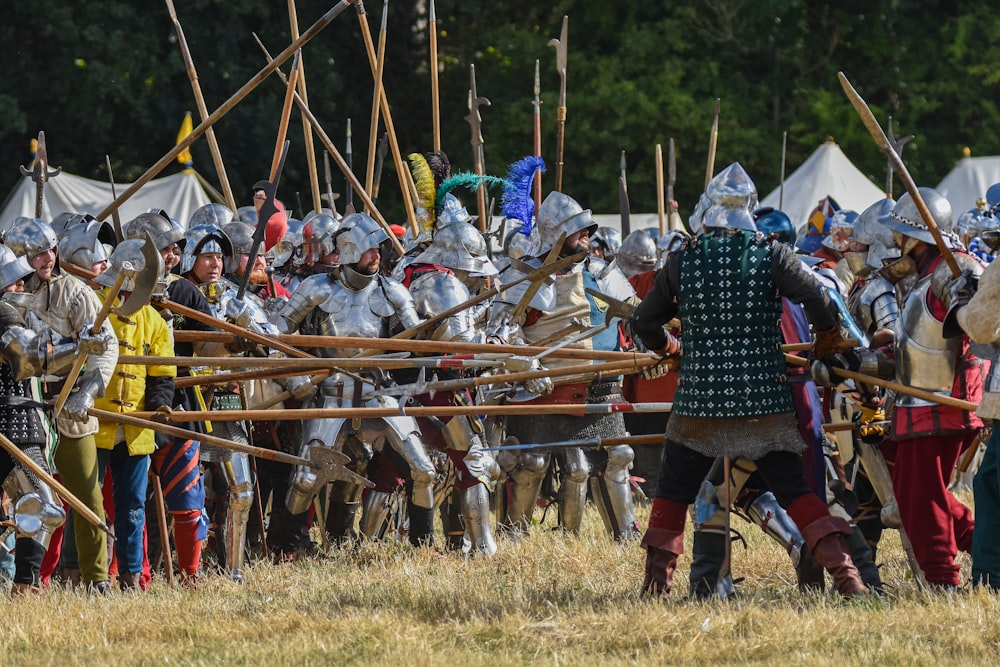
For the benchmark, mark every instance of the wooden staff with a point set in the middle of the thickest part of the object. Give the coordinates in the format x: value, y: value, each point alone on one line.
x: 438, y: 347
x: 435, y: 90
x: 903, y: 389
x: 262, y: 339
x: 286, y: 115
x: 868, y: 118
x: 316, y: 363
x: 577, y: 409
x: 561, y: 45
x: 42, y: 474
x: 376, y: 99
x: 161, y: 517
x: 227, y: 106
x: 713, y: 140
x: 338, y: 158
x: 199, y: 100
x: 660, y: 207
x: 81, y: 359
x: 293, y: 20
x: 402, y: 171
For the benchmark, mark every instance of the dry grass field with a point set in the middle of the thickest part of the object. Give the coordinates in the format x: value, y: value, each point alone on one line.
x: 551, y: 600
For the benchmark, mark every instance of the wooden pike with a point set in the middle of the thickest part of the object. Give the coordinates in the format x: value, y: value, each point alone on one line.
x: 161, y: 518
x: 660, y: 207
x: 227, y: 106
x: 903, y: 389
x: 199, y: 100
x: 882, y: 141
x: 293, y: 20
x: 42, y: 474
x: 577, y: 409
x: 416, y: 346
x: 538, y: 136
x: 781, y: 187
x: 435, y: 89
x: 376, y: 100
x: 286, y: 115
x: 402, y: 171
x: 280, y: 364
x: 324, y: 138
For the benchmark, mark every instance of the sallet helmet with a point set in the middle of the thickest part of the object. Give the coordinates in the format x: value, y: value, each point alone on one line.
x: 772, y: 222
x: 561, y: 213
x: 637, y: 253
x: 29, y: 236
x: 128, y: 254
x: 202, y: 240
x: 608, y: 238
x: 241, y: 236
x: 666, y: 244
x: 85, y: 243
x: 211, y: 214
x: 459, y: 246
x: 289, y: 251
x: 905, y: 218
x: 318, y: 237
x: 12, y: 267
x: 358, y: 233
x: 160, y: 228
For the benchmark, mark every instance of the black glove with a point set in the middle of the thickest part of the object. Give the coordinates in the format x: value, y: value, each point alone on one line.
x: 961, y: 289
x: 240, y: 345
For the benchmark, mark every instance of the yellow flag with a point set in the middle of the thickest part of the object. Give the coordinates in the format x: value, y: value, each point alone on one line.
x: 185, y: 155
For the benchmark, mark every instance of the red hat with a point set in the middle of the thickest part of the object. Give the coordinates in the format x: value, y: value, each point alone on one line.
x: 276, y: 227
x: 398, y: 230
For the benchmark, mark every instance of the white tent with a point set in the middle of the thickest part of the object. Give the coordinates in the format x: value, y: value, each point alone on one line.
x: 827, y: 172
x: 179, y: 195
x: 968, y: 181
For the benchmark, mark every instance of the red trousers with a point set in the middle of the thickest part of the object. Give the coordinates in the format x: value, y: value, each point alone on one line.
x: 938, y: 525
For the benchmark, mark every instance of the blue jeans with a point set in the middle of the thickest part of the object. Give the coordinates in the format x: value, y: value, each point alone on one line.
x: 129, y: 479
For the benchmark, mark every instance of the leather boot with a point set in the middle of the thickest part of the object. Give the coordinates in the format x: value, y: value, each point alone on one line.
x: 421, y: 525
x: 129, y: 581
x: 864, y: 560
x: 707, y: 555
x: 825, y: 537
x: 809, y: 573
x: 662, y: 550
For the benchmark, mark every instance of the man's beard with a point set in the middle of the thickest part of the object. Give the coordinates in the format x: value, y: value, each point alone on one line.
x: 257, y: 276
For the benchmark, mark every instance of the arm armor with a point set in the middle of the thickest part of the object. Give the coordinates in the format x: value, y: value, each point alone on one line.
x: 30, y: 355
x: 310, y: 293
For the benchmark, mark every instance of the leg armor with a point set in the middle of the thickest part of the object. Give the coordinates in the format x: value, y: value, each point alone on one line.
x: 237, y: 472
x: 525, y: 473
x: 36, y: 511
x: 774, y: 520
x: 573, y: 488
x: 475, y: 504
x: 422, y: 470
x: 613, y: 495
x: 375, y: 511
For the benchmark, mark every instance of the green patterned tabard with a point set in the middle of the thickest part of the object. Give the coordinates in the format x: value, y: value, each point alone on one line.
x: 732, y: 364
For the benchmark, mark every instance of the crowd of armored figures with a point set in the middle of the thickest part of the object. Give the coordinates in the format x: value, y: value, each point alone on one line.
x: 823, y: 383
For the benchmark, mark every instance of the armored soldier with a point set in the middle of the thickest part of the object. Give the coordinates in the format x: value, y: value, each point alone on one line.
x: 26, y: 356
x: 65, y: 305
x: 927, y: 438
x: 976, y: 306
x: 733, y: 396
x: 176, y: 460
x: 548, y: 313
x: 358, y: 301
x: 452, y: 269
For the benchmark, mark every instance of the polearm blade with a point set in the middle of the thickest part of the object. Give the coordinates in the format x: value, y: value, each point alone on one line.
x: 660, y: 209
x: 227, y: 106
x: 560, y: 46
x: 623, y: 205
x: 199, y: 99
x: 349, y: 156
x: 781, y: 185
x: 380, y: 153
x: 897, y: 145
x: 475, y: 121
x: 868, y: 118
x: 538, y: 135
x: 328, y: 177
x: 40, y: 174
x: 435, y: 89
x: 114, y: 216
x: 713, y: 140
x: 268, y: 209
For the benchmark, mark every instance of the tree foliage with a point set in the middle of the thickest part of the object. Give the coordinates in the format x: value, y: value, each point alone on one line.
x: 108, y: 78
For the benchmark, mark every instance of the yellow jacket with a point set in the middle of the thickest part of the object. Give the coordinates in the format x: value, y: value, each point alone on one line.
x: 143, y: 333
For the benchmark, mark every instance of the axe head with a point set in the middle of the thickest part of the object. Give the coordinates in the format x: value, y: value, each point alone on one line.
x: 328, y: 466
x: 143, y: 266
x: 617, y: 309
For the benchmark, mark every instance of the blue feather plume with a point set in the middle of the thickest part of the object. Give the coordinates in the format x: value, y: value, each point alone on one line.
x: 517, y: 203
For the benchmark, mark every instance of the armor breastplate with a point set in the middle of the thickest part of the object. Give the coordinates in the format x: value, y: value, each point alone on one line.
x: 732, y: 364
x: 348, y: 312
x: 924, y: 358
x: 435, y: 292
x: 221, y: 292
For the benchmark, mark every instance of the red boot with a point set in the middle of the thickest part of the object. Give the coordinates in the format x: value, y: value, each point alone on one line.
x: 664, y: 542
x: 825, y: 538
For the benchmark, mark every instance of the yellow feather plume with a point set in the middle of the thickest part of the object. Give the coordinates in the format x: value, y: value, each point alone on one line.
x: 423, y: 180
